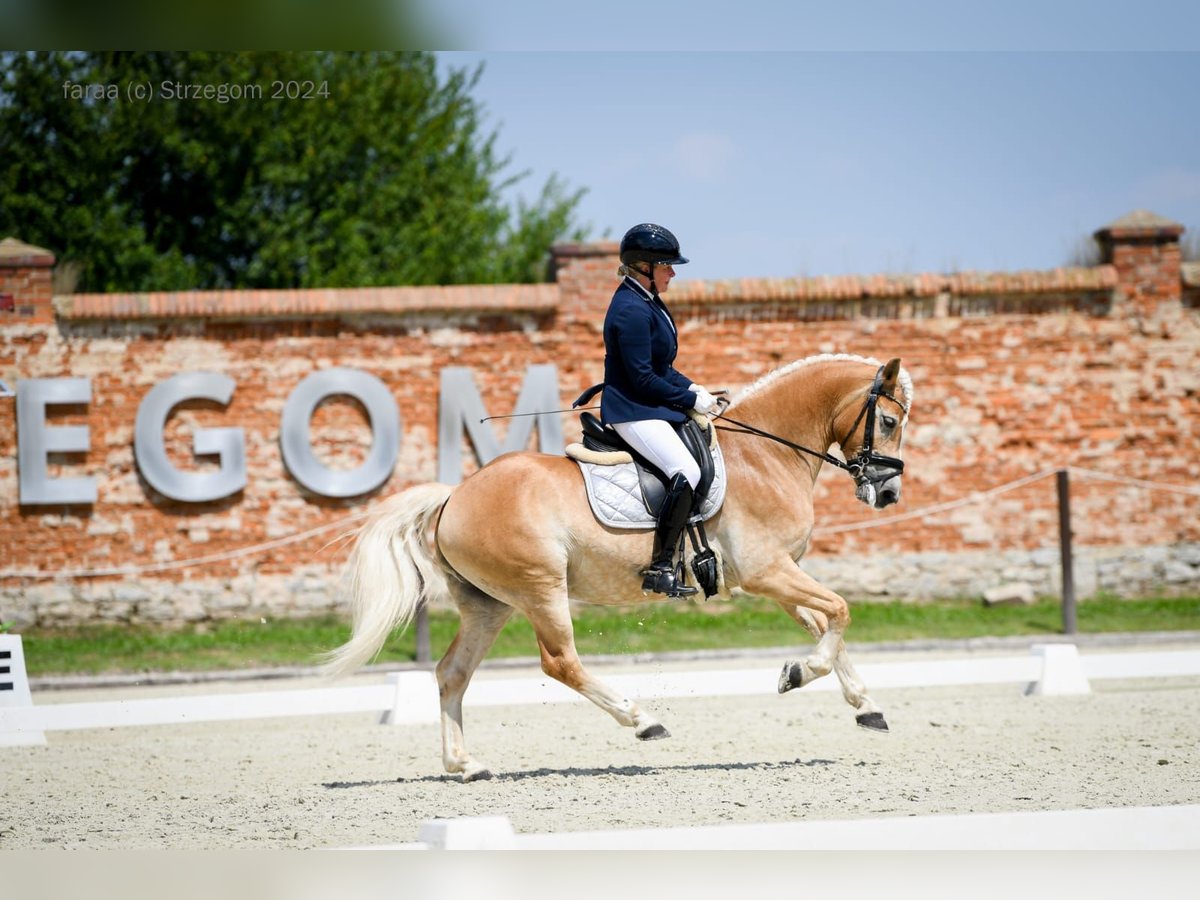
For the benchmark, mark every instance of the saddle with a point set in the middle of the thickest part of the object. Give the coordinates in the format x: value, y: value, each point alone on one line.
x: 601, y: 439
x: 626, y: 491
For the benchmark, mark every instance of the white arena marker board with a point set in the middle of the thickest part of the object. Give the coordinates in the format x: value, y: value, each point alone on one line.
x: 14, y: 691
x: 1062, y: 671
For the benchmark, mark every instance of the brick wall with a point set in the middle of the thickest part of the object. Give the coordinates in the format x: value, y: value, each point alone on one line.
x: 1015, y: 374
x: 25, y: 282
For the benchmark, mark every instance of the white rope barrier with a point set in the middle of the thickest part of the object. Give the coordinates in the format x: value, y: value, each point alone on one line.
x: 927, y: 511
x: 922, y: 513
x: 1135, y: 482
x: 39, y: 574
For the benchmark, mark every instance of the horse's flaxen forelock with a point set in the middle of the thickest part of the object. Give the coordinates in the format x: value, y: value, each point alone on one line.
x: 774, y: 375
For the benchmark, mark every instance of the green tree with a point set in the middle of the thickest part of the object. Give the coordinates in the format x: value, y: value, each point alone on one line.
x: 373, y: 171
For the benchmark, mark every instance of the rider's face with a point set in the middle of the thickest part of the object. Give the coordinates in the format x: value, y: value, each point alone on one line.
x: 663, y: 276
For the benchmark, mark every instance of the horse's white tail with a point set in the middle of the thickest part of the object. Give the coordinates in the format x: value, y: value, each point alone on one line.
x: 391, y: 570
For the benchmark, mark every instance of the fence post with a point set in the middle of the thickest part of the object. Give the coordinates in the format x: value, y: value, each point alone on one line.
x: 1070, y: 625
x: 421, y: 630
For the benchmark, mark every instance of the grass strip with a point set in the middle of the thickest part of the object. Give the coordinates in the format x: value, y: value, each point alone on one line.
x: 649, y: 628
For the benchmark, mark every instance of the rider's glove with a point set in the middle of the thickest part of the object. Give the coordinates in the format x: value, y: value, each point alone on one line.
x: 705, y: 402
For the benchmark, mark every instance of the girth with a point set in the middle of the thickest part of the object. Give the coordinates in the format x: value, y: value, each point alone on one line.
x: 599, y: 437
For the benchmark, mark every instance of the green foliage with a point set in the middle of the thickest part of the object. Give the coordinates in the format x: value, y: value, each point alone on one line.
x: 296, y: 24
x: 379, y: 175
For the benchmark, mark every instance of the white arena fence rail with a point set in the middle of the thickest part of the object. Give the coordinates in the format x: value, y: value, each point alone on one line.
x: 1118, y: 829
x: 411, y: 697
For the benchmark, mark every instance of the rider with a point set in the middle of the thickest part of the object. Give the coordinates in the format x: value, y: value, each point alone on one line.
x: 644, y: 396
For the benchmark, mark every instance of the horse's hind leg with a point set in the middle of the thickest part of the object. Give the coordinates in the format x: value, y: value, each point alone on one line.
x: 556, y: 642
x: 482, y: 618
x: 869, y: 715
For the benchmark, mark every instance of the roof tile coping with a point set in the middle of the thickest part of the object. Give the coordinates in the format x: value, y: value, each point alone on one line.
x: 310, y: 302
x: 861, y: 287
x: 322, y: 302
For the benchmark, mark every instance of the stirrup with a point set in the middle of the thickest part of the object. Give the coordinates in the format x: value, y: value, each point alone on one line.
x: 665, y: 580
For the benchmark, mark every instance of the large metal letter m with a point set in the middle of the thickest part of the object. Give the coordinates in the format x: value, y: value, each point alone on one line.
x: 461, y: 405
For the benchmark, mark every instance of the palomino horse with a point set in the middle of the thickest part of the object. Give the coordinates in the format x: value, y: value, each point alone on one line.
x: 519, y: 535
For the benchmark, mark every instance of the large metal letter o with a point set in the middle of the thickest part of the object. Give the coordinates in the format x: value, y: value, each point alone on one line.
x: 297, y: 419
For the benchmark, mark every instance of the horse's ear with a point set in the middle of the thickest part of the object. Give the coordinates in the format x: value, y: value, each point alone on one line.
x: 891, y: 372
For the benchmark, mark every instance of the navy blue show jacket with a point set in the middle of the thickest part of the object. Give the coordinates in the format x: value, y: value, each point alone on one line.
x: 640, y: 345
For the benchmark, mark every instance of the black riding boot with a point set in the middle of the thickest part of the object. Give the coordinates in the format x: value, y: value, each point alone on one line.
x: 660, y: 575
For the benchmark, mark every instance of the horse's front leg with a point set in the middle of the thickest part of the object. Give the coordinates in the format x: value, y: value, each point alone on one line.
x: 854, y: 690
x: 788, y: 585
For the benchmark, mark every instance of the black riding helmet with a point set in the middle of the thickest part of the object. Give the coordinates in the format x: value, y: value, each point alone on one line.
x: 652, y: 244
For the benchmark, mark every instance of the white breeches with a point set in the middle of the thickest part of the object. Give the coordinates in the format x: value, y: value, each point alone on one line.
x: 657, y: 441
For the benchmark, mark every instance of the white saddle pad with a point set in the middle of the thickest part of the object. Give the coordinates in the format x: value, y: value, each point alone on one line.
x: 616, y: 495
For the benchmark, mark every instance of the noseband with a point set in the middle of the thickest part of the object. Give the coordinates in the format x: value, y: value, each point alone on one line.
x: 868, y: 468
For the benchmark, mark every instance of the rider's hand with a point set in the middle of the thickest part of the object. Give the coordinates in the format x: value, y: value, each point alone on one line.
x: 705, y: 402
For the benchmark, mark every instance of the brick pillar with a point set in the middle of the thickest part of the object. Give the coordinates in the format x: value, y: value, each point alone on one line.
x: 25, y: 282
x: 587, y: 276
x: 1144, y: 250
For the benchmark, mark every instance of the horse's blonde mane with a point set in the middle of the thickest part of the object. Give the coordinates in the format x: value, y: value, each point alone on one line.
x: 774, y: 375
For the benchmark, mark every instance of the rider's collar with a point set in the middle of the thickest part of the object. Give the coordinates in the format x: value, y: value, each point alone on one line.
x: 636, y: 285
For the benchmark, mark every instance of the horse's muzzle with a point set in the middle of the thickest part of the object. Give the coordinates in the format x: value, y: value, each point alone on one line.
x: 888, y: 493
x: 879, y: 493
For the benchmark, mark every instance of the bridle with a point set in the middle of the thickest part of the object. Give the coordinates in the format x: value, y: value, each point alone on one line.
x: 868, y: 468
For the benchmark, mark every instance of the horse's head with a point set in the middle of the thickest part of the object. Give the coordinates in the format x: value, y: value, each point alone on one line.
x: 875, y: 425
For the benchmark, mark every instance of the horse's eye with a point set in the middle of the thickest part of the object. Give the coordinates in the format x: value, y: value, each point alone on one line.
x: 889, y: 422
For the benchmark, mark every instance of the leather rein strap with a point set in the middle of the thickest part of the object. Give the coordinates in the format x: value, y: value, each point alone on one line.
x: 866, y: 456
x: 745, y: 428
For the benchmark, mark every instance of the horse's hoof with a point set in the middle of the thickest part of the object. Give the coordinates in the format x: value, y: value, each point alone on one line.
x: 477, y: 775
x: 872, y: 721
x: 654, y: 732
x: 792, y: 676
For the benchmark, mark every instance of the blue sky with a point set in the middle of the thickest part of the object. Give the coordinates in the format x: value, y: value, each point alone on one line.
x: 797, y: 138
x: 789, y: 163
x: 655, y: 25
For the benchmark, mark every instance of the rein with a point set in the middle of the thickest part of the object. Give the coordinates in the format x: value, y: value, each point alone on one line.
x: 865, y: 459
x: 745, y: 428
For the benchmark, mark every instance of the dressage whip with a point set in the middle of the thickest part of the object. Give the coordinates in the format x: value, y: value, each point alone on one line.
x: 555, y: 412
x: 546, y: 412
